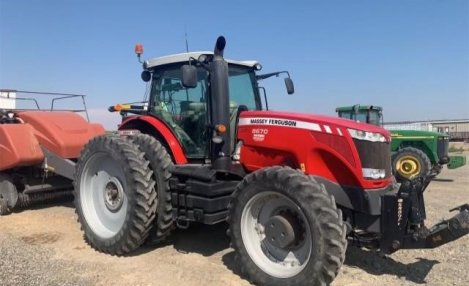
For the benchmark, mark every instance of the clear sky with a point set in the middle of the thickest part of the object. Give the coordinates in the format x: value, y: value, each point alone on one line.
x: 409, y: 56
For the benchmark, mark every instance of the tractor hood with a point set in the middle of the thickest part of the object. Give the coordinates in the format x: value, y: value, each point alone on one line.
x: 318, y: 123
x: 416, y: 134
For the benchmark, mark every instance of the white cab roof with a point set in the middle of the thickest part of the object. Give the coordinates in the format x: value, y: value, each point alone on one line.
x: 184, y: 57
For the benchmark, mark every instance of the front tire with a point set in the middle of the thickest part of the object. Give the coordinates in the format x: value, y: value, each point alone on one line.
x: 410, y: 163
x: 286, y: 229
x: 114, y: 192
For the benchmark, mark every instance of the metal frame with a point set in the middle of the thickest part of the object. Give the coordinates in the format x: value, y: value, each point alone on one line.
x: 62, y: 96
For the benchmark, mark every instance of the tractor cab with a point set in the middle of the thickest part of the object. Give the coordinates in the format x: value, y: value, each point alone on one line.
x: 370, y: 114
x: 185, y: 110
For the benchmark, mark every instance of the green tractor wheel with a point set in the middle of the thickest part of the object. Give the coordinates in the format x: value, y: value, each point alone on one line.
x: 410, y: 163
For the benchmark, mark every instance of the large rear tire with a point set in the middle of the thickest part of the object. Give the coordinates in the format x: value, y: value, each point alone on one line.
x: 160, y: 163
x: 410, y: 163
x: 114, y: 192
x: 286, y: 229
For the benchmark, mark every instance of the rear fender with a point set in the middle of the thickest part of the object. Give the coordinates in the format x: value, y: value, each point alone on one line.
x: 153, y: 126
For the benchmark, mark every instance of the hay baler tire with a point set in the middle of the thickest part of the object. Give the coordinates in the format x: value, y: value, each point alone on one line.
x: 286, y: 229
x: 115, y: 198
x: 8, y: 194
x: 4, y: 210
x: 160, y: 163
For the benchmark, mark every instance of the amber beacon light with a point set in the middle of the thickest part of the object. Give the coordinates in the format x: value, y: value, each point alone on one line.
x: 139, y: 50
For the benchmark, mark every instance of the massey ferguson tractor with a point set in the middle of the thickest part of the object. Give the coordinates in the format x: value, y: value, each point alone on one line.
x: 294, y: 188
x: 38, y: 148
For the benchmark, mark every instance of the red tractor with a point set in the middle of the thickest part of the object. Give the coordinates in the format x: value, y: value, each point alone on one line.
x: 294, y: 188
x: 38, y: 148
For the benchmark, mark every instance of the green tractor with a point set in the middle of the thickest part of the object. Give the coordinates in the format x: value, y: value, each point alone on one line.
x: 416, y: 153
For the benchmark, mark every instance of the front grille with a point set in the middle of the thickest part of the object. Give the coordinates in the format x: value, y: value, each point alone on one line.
x: 442, y: 149
x: 374, y: 155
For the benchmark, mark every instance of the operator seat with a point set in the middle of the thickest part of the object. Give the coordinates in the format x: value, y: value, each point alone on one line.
x: 194, y: 121
x: 187, y: 142
x: 196, y: 111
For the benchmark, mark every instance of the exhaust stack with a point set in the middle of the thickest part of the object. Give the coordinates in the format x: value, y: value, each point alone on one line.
x: 220, y: 146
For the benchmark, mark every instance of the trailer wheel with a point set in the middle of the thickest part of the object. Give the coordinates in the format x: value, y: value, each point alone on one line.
x: 160, y: 163
x: 8, y: 194
x: 286, y: 229
x: 115, y: 198
x: 410, y: 163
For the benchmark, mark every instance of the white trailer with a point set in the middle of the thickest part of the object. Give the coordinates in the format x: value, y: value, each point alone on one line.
x: 7, y: 99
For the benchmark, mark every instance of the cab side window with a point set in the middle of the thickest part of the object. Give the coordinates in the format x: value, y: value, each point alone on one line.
x: 183, y: 109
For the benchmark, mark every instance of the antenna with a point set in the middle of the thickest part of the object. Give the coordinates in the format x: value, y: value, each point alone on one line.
x: 187, y: 44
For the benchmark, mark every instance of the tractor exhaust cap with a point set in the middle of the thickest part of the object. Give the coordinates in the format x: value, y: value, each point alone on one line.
x: 219, y: 46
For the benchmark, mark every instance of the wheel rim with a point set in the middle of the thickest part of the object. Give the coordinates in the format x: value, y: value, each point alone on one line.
x: 103, y: 199
x: 408, y: 166
x: 264, y: 219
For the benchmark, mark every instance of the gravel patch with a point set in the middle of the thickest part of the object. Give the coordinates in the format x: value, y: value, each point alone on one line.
x: 23, y: 263
x: 44, y: 246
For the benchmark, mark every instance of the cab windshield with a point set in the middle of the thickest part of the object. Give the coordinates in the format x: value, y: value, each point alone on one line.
x: 184, y: 110
x: 362, y: 116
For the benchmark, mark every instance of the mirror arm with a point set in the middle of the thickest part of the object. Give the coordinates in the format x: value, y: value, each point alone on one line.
x: 198, y: 63
x: 267, y: 75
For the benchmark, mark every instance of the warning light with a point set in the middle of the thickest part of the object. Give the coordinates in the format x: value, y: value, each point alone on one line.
x: 220, y: 128
x: 139, y: 49
x: 120, y: 107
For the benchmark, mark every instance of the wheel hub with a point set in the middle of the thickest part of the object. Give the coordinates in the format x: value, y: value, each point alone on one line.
x: 408, y: 166
x: 284, y: 230
x: 279, y: 232
x: 113, y: 195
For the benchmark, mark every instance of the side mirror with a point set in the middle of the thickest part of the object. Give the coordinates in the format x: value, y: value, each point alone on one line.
x: 189, y: 76
x: 146, y: 76
x: 289, y: 85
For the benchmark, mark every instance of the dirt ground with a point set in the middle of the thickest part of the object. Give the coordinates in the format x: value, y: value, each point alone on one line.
x: 44, y: 246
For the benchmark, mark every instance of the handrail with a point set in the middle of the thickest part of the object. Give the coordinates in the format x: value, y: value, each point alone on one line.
x: 62, y: 96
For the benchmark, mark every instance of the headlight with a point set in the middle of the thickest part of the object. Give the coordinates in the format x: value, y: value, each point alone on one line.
x: 374, y: 174
x: 367, y: 136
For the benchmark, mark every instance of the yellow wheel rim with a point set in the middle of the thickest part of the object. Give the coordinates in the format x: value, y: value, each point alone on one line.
x: 408, y: 166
